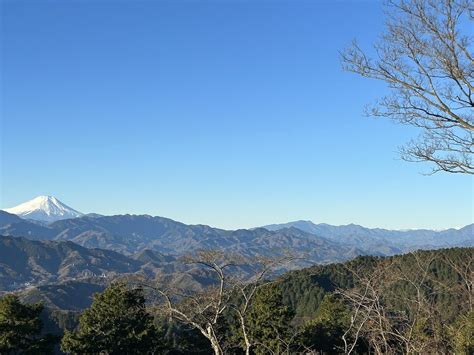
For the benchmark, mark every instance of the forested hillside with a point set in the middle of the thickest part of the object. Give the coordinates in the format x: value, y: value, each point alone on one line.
x: 420, y: 302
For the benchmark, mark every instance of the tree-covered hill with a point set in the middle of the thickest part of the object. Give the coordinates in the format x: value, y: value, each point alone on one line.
x: 303, y: 290
x: 26, y: 262
x: 420, y: 301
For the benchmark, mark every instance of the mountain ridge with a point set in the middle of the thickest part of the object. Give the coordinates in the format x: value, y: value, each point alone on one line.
x: 353, y: 234
x: 129, y: 234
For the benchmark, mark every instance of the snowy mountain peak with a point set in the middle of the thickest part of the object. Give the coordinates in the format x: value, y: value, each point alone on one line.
x: 44, y: 208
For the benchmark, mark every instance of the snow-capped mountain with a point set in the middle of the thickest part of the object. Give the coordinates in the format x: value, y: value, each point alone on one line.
x: 44, y: 208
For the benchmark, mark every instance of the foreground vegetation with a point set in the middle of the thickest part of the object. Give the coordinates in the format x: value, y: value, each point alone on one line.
x: 416, y: 303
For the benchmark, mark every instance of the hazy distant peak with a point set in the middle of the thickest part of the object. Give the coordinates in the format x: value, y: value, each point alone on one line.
x: 44, y: 208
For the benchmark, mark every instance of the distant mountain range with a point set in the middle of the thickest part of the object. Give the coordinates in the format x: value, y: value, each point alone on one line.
x: 373, y: 238
x: 129, y: 234
x: 51, y: 252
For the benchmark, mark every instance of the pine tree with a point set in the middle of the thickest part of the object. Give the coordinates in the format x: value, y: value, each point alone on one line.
x: 20, y: 328
x: 268, y: 322
x: 462, y: 333
x: 324, y: 332
x: 116, y: 323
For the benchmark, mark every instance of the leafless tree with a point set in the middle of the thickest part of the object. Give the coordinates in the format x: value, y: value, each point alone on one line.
x: 391, y: 323
x: 464, y: 267
x: 426, y: 57
x: 260, y: 268
x: 287, y: 344
x: 237, y: 280
x: 369, y: 317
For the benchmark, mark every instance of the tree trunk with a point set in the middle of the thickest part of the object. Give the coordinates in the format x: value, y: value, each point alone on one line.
x: 216, y: 348
x: 214, y: 342
x: 244, y: 332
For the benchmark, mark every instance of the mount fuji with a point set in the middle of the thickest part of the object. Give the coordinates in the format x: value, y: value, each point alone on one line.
x: 44, y: 208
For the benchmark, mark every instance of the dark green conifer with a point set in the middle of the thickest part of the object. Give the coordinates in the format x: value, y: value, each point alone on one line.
x: 116, y: 323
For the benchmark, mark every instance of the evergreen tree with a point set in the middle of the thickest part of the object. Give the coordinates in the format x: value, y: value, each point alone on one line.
x: 268, y: 321
x: 324, y: 333
x: 463, y: 334
x: 20, y: 328
x: 116, y: 323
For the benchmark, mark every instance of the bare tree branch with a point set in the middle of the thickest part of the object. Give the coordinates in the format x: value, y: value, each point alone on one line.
x: 233, y: 292
x: 428, y: 64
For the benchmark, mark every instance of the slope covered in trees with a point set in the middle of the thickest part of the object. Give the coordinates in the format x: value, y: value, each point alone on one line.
x: 420, y: 302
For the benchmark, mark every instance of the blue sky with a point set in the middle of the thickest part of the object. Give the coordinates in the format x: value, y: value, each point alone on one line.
x: 228, y: 113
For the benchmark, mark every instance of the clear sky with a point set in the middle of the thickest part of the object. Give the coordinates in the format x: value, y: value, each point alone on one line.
x: 228, y: 113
